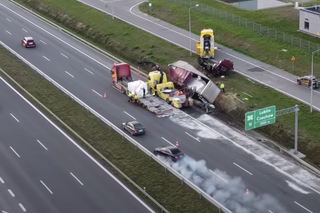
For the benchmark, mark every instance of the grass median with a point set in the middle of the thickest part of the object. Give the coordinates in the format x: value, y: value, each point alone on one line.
x: 238, y: 37
x: 123, y: 40
x: 133, y: 162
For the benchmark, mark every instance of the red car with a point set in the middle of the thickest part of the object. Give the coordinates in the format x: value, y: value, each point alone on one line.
x: 28, y: 42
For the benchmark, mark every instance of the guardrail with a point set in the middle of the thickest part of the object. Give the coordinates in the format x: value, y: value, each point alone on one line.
x: 125, y: 136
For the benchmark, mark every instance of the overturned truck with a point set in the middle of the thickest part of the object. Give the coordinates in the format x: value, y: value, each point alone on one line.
x: 194, y: 83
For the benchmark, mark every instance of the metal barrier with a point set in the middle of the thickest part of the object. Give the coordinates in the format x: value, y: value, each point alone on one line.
x: 127, y: 137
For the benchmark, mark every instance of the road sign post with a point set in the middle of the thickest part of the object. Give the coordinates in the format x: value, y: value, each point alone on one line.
x: 293, y: 59
x: 260, y: 117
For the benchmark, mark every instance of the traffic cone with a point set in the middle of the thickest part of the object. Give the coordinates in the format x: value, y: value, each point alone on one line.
x: 177, y: 144
x: 247, y: 191
x: 104, y: 95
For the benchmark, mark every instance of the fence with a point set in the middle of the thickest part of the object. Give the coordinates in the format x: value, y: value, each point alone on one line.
x: 124, y: 136
x: 276, y: 35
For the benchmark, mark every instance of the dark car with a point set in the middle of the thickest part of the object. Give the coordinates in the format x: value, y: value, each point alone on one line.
x: 171, y: 152
x: 28, y: 42
x: 134, y: 128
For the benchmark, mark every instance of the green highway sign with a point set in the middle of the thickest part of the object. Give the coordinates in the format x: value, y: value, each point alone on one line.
x: 260, y: 117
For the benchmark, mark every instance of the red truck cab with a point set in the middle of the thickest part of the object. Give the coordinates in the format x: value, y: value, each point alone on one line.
x: 120, y: 71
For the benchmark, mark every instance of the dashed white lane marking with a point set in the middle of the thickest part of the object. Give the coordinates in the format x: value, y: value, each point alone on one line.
x: 218, y: 176
x: 76, y: 178
x: 11, y: 193
x: 88, y: 71
x: 69, y: 74
x: 22, y: 207
x: 64, y: 55
x: 242, y: 168
x: 1, y: 180
x: 197, y: 139
x: 14, y: 117
x: 130, y: 115
x: 46, y: 186
x: 8, y: 32
x: 96, y: 93
x: 43, y: 42
x: 167, y: 141
x: 14, y: 151
x: 270, y: 211
x: 42, y: 145
x: 303, y: 207
x: 25, y: 30
x: 46, y: 58
x: 8, y: 20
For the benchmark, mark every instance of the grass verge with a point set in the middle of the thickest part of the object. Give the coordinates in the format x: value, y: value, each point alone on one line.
x: 133, y: 162
x: 236, y: 37
x: 157, y: 50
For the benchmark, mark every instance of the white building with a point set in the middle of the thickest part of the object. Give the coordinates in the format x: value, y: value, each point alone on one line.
x: 309, y: 20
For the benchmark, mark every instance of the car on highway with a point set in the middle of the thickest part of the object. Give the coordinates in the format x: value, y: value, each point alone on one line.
x: 28, y: 42
x: 171, y: 152
x: 134, y: 127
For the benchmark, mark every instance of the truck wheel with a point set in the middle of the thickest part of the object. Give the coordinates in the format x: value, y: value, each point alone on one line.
x: 200, y: 61
x: 299, y: 82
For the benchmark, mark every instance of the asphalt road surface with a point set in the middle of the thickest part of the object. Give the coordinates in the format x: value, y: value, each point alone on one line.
x: 85, y: 73
x: 258, y: 71
x: 41, y: 170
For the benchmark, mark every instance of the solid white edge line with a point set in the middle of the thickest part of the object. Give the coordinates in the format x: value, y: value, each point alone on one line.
x: 42, y: 145
x: 242, y: 168
x: 167, y: 141
x: 46, y: 187
x: 130, y: 115
x: 76, y: 178
x: 11, y: 193
x: 22, y: 207
x: 197, y: 139
x: 218, y: 176
x: 1, y: 180
x: 303, y: 207
x: 14, y: 117
x: 14, y: 151
x: 69, y: 74
x: 82, y: 150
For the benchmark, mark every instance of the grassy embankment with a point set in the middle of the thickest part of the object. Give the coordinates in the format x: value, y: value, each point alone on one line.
x: 128, y: 45
x: 240, y: 38
x: 133, y: 162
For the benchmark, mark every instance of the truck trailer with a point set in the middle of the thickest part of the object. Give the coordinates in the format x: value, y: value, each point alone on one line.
x: 122, y: 80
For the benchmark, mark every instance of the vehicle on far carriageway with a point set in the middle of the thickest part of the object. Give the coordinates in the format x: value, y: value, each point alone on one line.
x: 134, y: 128
x: 28, y: 42
x: 170, y: 152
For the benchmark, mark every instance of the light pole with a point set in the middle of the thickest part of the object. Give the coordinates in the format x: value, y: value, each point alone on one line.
x: 112, y: 9
x: 311, y: 95
x: 190, y: 27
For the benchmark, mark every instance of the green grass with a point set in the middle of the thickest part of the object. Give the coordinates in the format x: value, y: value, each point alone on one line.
x: 133, y: 162
x: 127, y: 38
x: 236, y: 37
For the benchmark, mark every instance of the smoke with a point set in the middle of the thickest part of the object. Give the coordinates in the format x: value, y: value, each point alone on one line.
x: 229, y: 191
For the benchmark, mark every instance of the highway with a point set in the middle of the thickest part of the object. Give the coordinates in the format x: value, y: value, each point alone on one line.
x: 85, y: 73
x: 258, y: 71
x: 43, y: 170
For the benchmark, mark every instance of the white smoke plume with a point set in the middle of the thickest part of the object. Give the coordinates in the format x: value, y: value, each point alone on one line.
x: 230, y: 192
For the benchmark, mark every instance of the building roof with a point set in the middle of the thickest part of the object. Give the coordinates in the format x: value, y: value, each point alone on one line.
x: 313, y: 9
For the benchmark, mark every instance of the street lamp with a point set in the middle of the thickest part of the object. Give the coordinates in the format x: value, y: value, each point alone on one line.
x: 190, y: 28
x: 312, y: 79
